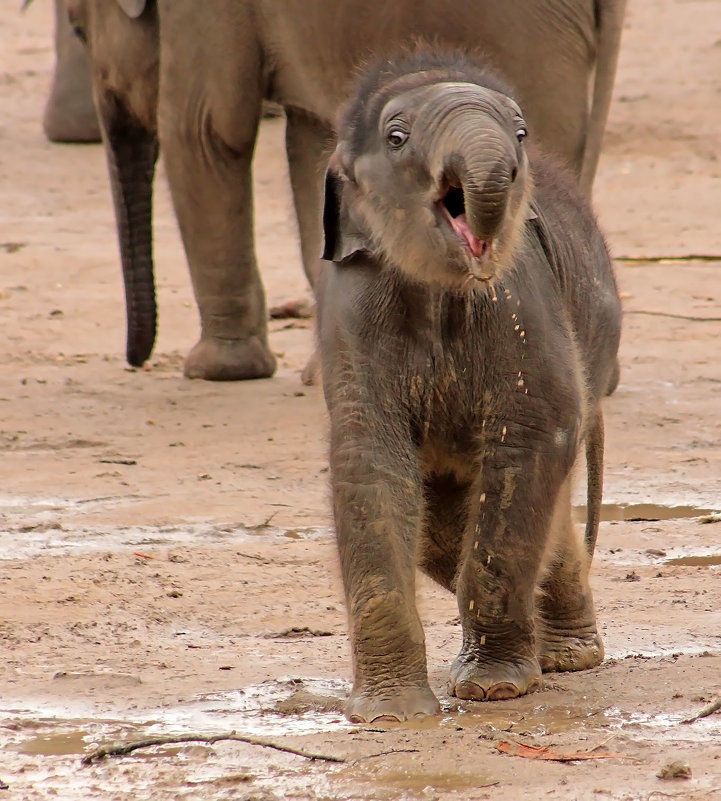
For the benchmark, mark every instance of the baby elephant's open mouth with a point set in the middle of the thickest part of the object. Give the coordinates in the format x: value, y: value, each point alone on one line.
x: 453, y: 208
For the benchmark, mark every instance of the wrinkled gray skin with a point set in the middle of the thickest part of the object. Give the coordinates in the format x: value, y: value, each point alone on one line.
x: 69, y: 114
x: 215, y: 70
x: 469, y: 325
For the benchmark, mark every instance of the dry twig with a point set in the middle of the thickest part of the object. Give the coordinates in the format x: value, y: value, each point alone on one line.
x: 675, y: 316
x: 603, y: 742
x: 709, y: 709
x: 670, y: 259
x: 392, y: 751
x: 127, y: 748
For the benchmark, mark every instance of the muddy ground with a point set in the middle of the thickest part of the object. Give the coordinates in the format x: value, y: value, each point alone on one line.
x: 166, y: 556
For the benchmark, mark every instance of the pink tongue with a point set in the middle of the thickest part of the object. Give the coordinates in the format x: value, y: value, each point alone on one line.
x: 460, y: 226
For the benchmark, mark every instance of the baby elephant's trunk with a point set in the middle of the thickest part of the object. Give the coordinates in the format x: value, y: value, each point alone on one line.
x: 484, y: 172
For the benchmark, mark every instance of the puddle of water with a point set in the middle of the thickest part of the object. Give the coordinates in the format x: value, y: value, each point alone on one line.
x: 23, y: 506
x: 75, y: 742
x: 642, y: 511
x: 416, y: 781
x: 256, y: 710
x: 556, y: 720
x: 710, y: 560
x: 693, y: 554
x: 51, y: 738
x: 666, y: 727
x: 540, y: 721
x: 711, y: 645
x: 44, y: 526
x: 253, y: 710
x: 42, y: 523
x: 65, y: 740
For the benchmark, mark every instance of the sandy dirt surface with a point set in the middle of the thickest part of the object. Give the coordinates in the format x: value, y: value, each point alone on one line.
x: 166, y: 556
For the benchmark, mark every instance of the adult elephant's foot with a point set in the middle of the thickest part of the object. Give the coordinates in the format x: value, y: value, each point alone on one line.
x: 215, y: 359
x: 393, y: 705
x: 474, y: 680
x: 70, y: 121
x: 561, y: 649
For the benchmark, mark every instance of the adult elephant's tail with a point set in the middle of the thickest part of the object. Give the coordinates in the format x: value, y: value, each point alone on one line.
x: 609, y: 23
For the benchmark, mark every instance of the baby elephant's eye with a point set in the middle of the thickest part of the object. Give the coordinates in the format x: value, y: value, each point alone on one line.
x: 397, y: 137
x: 521, y: 132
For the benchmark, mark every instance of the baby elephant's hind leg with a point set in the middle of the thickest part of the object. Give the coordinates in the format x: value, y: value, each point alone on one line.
x: 445, y: 524
x: 566, y: 633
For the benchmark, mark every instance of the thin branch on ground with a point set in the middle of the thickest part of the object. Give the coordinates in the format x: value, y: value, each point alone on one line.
x: 392, y: 751
x: 656, y: 259
x: 675, y: 316
x: 709, y: 709
x: 127, y: 748
x: 603, y: 742
x: 264, y: 524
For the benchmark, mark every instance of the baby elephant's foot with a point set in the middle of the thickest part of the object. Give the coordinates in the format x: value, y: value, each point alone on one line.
x: 566, y: 650
x: 395, y: 706
x: 473, y: 680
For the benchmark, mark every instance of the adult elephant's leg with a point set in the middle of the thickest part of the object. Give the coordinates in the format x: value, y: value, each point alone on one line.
x: 307, y: 143
x: 572, y: 91
x: 557, y: 109
x: 609, y: 18
x: 565, y: 76
x: 209, y: 108
x: 69, y: 114
x: 567, y: 635
x: 558, y: 41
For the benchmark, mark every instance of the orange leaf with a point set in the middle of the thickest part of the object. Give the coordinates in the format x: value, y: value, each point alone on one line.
x: 536, y: 752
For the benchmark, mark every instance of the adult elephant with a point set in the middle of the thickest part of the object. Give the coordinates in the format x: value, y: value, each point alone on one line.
x: 216, y: 69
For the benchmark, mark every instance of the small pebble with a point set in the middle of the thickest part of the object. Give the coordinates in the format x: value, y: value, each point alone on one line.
x: 674, y: 770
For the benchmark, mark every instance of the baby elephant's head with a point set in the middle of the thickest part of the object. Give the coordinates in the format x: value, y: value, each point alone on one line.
x: 430, y: 172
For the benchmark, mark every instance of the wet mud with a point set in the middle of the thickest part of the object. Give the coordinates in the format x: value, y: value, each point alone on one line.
x: 167, y: 563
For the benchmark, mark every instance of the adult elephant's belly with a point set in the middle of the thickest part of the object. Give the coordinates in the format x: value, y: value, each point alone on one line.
x: 315, y: 47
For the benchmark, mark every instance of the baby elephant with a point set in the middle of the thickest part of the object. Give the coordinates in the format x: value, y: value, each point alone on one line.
x: 469, y: 325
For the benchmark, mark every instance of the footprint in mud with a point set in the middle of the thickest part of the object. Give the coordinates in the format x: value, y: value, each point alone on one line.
x: 277, y: 706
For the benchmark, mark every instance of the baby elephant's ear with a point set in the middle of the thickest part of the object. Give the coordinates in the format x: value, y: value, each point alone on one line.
x: 342, y: 236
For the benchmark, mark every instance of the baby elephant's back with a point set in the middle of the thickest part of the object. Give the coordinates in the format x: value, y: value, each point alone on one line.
x: 567, y: 231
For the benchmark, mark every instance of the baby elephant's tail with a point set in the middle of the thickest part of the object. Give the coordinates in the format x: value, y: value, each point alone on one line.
x: 594, y: 477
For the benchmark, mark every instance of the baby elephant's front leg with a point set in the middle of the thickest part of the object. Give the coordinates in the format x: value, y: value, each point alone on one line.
x: 502, y: 556
x: 377, y: 513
